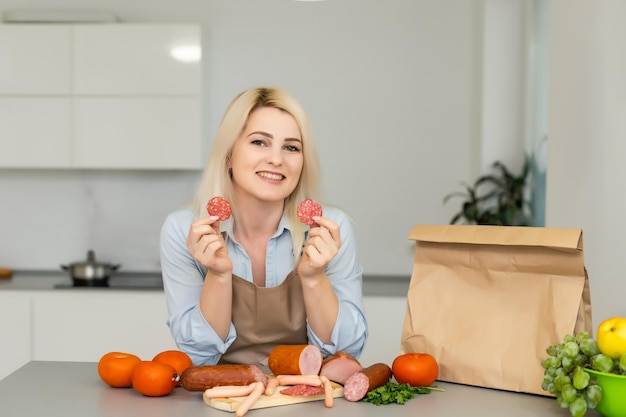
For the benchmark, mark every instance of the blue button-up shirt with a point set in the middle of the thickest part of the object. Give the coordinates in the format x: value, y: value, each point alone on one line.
x: 183, y: 279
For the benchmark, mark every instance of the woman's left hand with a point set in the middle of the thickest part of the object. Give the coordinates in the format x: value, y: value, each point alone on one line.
x: 320, y: 248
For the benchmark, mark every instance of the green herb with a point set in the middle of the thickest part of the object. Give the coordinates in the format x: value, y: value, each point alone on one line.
x: 393, y: 392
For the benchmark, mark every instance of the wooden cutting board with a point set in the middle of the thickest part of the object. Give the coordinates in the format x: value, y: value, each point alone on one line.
x: 230, y: 404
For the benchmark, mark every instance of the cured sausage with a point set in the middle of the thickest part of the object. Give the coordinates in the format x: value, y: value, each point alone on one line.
x: 201, y: 378
x: 307, y: 209
x: 302, y: 390
x: 295, y: 360
x: 340, y: 366
x: 220, y: 207
x: 372, y: 377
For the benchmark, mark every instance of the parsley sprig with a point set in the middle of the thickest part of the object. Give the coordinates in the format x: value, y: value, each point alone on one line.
x: 393, y: 392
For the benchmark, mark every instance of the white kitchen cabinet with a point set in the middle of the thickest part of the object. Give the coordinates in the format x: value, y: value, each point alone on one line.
x: 35, y: 132
x: 82, y: 325
x: 100, y: 96
x: 15, y: 326
x: 136, y: 59
x: 146, y: 132
x: 35, y: 59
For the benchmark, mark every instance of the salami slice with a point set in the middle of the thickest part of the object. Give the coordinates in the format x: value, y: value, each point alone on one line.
x: 359, y: 384
x: 220, y: 207
x: 307, y: 210
x: 302, y: 389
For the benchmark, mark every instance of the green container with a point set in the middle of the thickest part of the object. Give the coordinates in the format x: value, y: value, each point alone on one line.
x: 613, y: 393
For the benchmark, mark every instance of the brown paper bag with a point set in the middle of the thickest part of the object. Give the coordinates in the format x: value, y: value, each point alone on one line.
x: 486, y: 301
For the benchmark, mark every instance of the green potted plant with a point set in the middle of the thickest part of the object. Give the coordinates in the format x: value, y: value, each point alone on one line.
x: 495, y: 199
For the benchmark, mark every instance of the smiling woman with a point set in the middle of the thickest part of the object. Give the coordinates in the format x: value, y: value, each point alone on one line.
x: 238, y: 287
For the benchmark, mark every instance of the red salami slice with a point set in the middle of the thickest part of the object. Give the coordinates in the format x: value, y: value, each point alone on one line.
x: 220, y: 207
x: 302, y: 389
x: 307, y: 209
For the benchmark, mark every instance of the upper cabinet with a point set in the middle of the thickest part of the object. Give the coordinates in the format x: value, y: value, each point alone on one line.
x: 136, y: 60
x: 35, y: 60
x: 100, y: 96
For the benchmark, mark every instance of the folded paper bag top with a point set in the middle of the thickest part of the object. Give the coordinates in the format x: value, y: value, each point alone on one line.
x: 487, y: 301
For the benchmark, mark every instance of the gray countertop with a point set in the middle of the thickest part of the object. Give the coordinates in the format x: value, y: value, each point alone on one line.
x: 373, y: 285
x: 73, y: 389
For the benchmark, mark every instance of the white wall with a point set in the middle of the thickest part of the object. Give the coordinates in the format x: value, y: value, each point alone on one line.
x: 587, y: 113
x: 392, y: 89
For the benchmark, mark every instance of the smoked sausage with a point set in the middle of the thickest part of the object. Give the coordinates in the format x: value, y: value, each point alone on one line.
x: 201, y: 378
x: 340, y: 366
x: 362, y: 382
x: 295, y: 360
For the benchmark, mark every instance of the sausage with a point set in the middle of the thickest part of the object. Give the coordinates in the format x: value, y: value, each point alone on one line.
x: 201, y: 378
x: 329, y: 399
x: 307, y: 209
x: 302, y: 390
x: 340, y: 366
x: 224, y: 391
x: 372, y: 377
x: 220, y: 207
x: 295, y: 360
x: 271, y: 387
x: 254, y: 396
x: 312, y: 380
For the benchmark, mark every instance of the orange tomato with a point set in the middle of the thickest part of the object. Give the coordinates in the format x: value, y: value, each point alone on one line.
x: 177, y: 359
x: 154, y: 379
x: 116, y: 368
x: 415, y: 369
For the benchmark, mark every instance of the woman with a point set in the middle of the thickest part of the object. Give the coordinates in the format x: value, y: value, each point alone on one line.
x: 237, y: 288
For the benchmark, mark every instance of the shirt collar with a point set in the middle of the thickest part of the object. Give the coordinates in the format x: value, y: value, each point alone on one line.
x: 227, y: 227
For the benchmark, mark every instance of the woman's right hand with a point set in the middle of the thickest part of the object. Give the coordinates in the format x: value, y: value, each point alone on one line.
x: 206, y: 244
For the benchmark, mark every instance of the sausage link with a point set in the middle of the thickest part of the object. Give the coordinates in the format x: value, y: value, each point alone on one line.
x: 254, y: 396
x: 362, y: 382
x: 329, y: 399
x: 225, y: 391
x: 340, y: 366
x: 312, y: 380
x: 295, y: 360
x: 201, y: 378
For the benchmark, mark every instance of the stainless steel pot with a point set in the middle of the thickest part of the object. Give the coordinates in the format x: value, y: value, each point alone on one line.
x: 90, y: 272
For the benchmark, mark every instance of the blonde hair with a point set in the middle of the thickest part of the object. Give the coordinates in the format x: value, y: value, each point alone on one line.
x: 216, y: 179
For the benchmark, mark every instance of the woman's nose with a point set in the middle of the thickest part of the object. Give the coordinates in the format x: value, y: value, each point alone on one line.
x: 275, y: 156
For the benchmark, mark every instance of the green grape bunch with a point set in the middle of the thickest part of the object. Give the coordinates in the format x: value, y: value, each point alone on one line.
x: 564, y: 374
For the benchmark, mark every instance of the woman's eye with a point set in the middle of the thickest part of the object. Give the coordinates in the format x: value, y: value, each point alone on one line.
x: 258, y: 142
x: 292, y: 148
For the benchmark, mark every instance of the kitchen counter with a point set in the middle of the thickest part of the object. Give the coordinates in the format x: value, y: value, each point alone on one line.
x: 73, y: 389
x: 53, y: 280
x: 373, y: 285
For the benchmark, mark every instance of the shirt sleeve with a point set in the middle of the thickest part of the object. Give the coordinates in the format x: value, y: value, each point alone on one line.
x: 183, y: 279
x: 346, y: 277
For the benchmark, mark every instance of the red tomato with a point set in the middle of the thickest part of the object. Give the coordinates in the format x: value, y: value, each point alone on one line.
x: 116, y: 368
x: 415, y: 369
x: 154, y: 379
x: 176, y: 358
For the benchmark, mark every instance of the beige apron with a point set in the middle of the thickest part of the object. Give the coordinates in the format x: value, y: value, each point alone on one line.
x: 264, y: 318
